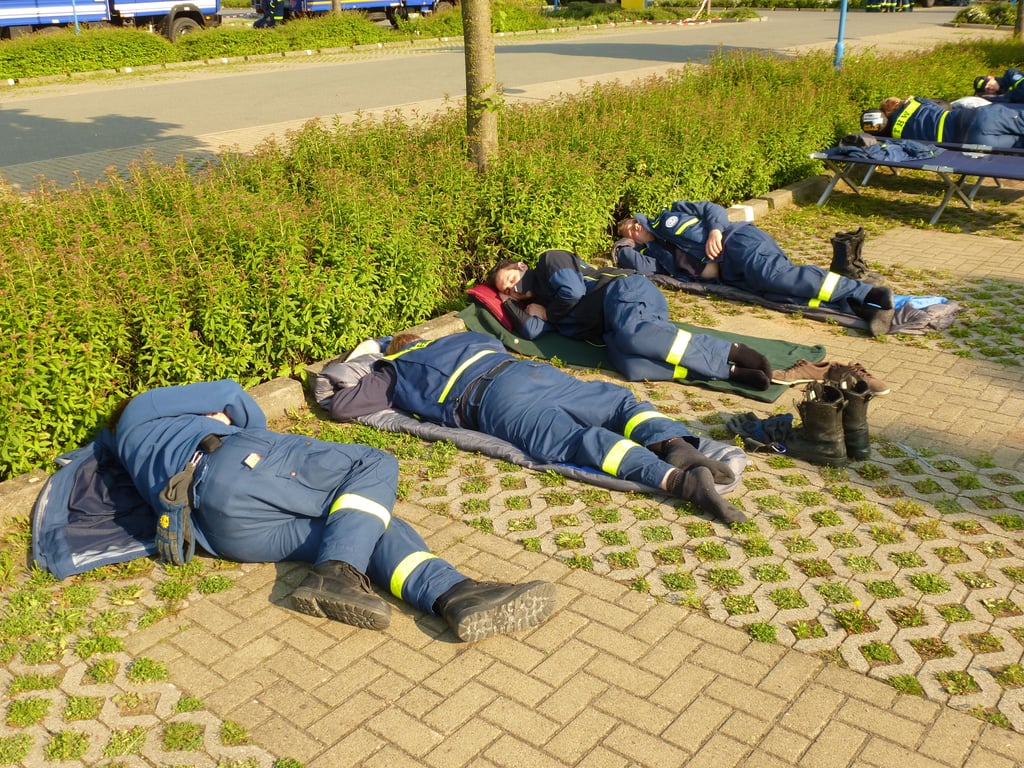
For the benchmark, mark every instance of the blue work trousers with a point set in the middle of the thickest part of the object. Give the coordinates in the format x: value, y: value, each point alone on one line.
x: 753, y: 261
x: 641, y: 339
x: 555, y: 417
x: 268, y: 497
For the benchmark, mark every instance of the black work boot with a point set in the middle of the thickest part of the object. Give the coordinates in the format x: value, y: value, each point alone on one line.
x: 476, y: 610
x: 338, y: 591
x: 876, y: 309
x: 846, y: 259
x: 857, y: 393
x: 697, y: 486
x: 681, y: 453
x: 820, y: 439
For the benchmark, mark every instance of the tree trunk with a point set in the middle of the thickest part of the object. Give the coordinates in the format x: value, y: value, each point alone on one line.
x: 1018, y: 25
x: 335, y: 7
x: 482, y: 96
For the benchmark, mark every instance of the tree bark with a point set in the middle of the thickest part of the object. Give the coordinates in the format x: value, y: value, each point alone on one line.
x: 482, y: 96
x: 335, y: 7
x: 1018, y: 25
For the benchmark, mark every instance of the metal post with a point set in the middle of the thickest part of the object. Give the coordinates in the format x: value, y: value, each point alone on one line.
x: 840, y: 44
x: 74, y: 13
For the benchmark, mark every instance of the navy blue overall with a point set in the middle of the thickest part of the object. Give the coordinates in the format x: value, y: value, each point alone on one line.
x: 627, y: 313
x: 750, y: 258
x: 468, y: 380
x: 996, y: 125
x: 268, y: 497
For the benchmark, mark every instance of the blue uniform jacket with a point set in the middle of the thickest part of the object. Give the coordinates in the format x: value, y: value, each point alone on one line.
x: 682, y: 233
x: 924, y: 120
x: 160, y: 429
x: 434, y: 374
x: 572, y: 292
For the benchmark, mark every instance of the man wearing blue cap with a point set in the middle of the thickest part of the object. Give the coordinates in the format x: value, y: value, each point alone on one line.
x: 695, y: 241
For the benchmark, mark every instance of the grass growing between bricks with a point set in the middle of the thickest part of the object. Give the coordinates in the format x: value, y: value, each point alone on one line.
x: 877, y: 560
x: 48, y: 628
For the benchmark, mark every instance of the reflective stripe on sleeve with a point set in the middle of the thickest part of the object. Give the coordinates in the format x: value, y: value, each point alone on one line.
x: 405, y: 568
x: 681, y: 372
x: 942, y: 124
x: 362, y: 504
x: 639, y: 419
x: 614, y: 457
x: 675, y: 354
x: 458, y: 372
x: 828, y: 285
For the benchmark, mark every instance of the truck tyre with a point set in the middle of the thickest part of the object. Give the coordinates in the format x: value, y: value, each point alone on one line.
x: 183, y: 25
x: 443, y: 5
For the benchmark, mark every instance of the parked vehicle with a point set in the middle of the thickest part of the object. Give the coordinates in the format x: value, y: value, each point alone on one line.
x: 392, y: 9
x: 171, y: 18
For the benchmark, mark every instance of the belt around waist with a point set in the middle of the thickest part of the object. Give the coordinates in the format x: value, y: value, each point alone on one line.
x: 469, y: 404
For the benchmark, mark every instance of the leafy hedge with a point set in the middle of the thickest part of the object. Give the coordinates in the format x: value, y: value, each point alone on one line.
x: 262, y: 263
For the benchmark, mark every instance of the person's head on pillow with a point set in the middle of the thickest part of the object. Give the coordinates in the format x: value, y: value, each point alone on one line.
x: 511, y: 278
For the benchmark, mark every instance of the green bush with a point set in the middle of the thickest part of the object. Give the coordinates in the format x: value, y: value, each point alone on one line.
x: 63, y: 52
x: 260, y: 264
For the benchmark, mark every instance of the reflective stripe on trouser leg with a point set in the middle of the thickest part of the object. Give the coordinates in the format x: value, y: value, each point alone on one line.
x: 405, y: 568
x: 613, y: 459
x: 358, y: 503
x: 627, y: 459
x: 678, y: 349
x: 639, y: 419
x: 403, y: 564
x: 828, y: 285
x: 654, y: 426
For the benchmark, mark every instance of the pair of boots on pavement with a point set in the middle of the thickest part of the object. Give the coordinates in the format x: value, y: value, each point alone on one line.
x: 834, y: 415
x: 878, y: 307
x: 474, y: 610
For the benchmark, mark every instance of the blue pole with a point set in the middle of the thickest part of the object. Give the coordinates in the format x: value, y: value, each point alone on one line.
x: 74, y: 12
x: 840, y: 45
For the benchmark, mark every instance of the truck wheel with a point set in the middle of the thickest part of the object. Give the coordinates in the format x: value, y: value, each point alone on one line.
x: 183, y: 25
x: 443, y: 5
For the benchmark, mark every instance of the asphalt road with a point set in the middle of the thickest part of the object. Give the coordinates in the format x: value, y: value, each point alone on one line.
x: 115, y: 118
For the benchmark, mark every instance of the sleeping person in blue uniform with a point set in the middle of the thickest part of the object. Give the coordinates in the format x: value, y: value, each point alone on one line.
x: 1000, y: 126
x: 625, y: 312
x: 468, y: 380
x: 695, y: 241
x: 262, y: 496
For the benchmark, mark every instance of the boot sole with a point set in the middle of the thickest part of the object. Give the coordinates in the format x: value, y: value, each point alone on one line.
x: 524, y: 610
x: 313, y: 602
x: 791, y: 382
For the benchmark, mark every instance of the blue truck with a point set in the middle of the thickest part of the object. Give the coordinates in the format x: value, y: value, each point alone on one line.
x: 171, y: 18
x: 392, y: 9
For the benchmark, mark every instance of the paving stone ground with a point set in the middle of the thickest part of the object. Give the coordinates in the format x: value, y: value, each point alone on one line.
x: 652, y: 658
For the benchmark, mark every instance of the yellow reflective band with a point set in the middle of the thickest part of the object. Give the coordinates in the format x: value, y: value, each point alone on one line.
x: 686, y: 225
x: 362, y: 504
x: 827, y: 286
x: 614, y: 457
x: 639, y: 419
x: 680, y: 373
x: 458, y: 372
x: 675, y: 354
x: 405, y: 568
x: 912, y: 106
x: 410, y: 348
x: 942, y: 123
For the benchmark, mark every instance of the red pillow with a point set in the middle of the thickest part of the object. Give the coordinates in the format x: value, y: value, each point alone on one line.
x: 489, y: 299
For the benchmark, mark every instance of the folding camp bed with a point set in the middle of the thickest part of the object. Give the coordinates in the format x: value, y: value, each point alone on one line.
x: 954, y: 166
